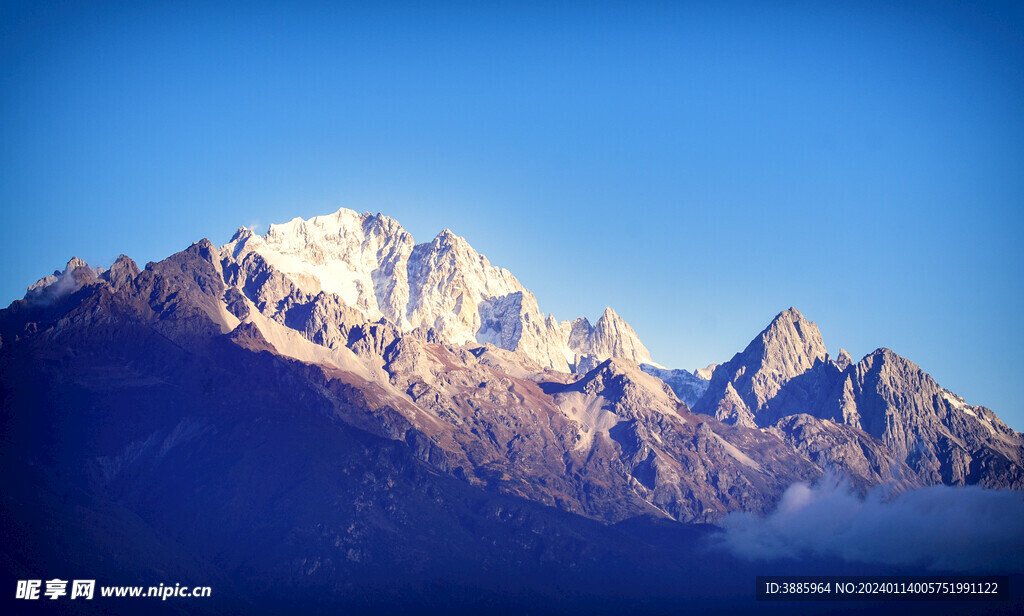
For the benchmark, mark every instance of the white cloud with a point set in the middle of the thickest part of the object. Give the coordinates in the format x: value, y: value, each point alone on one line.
x: 966, y: 529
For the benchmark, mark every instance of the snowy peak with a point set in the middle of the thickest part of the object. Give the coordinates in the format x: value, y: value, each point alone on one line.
x: 343, y: 228
x: 374, y: 268
x: 448, y: 280
x: 445, y: 286
x: 354, y: 256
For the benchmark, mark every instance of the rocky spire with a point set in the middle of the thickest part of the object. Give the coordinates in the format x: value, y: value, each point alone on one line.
x: 610, y: 337
x: 790, y: 346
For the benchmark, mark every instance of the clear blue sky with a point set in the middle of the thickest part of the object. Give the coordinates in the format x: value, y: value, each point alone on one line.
x: 697, y: 167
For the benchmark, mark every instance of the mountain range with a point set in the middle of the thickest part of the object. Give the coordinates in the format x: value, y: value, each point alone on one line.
x: 356, y: 403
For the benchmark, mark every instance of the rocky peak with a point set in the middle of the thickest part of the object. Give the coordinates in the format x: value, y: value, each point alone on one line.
x: 447, y: 238
x: 242, y: 233
x: 790, y: 343
x: 579, y: 333
x: 844, y: 360
x: 941, y: 437
x: 249, y: 336
x: 706, y: 372
x: 452, y: 255
x: 448, y: 248
x: 613, y: 337
x: 448, y: 282
x: 888, y: 366
x: 790, y: 346
x: 73, y: 264
x: 123, y: 271
x: 610, y: 337
x: 76, y: 274
x: 617, y: 380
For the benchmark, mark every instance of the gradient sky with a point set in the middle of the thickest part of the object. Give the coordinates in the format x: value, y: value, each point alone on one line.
x: 698, y: 167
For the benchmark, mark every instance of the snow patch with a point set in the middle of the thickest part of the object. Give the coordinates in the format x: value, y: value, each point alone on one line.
x: 958, y: 403
x: 373, y: 265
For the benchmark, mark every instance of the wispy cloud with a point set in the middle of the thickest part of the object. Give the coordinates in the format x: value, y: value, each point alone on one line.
x: 967, y: 529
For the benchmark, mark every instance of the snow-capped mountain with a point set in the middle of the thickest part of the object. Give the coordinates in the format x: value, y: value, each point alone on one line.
x: 459, y: 349
x: 348, y: 401
x: 355, y: 292
x: 374, y: 267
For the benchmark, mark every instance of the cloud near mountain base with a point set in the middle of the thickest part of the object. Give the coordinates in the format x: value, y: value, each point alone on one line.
x: 938, y: 528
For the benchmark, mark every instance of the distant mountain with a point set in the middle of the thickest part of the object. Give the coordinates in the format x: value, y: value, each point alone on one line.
x: 357, y: 404
x: 610, y: 337
x: 740, y: 389
x: 785, y: 374
x: 688, y: 386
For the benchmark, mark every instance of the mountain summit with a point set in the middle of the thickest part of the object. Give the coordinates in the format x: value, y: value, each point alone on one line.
x: 443, y: 287
x: 331, y: 404
x: 741, y: 388
x: 610, y: 337
x: 785, y: 382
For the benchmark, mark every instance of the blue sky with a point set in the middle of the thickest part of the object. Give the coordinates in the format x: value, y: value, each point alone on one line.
x: 697, y: 167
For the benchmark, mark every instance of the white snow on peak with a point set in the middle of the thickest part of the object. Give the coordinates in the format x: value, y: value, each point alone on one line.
x: 374, y: 266
x: 959, y: 404
x: 956, y: 401
x: 345, y: 253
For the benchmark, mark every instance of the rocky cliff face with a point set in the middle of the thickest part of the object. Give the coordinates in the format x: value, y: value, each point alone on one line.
x: 610, y: 444
x: 920, y: 433
x: 432, y: 346
x: 610, y: 337
x: 938, y: 435
x: 741, y: 388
